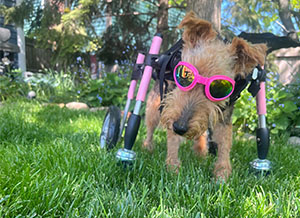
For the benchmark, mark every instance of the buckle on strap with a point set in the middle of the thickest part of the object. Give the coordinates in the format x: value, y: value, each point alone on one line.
x: 258, y: 75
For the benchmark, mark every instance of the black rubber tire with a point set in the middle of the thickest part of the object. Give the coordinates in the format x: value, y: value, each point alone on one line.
x: 110, y: 128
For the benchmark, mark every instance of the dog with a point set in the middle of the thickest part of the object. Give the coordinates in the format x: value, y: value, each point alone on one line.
x: 189, y: 112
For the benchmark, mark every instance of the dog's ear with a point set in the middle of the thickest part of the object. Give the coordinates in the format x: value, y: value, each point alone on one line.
x: 196, y: 29
x: 247, y: 55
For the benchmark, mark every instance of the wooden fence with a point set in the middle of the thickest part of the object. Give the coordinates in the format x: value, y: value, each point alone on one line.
x: 288, y: 62
x: 36, y: 58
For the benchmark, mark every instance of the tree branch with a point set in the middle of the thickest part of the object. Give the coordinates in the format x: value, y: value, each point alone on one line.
x: 285, y: 15
x: 135, y: 13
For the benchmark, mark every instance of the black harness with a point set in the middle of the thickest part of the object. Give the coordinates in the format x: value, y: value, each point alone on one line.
x: 164, y: 64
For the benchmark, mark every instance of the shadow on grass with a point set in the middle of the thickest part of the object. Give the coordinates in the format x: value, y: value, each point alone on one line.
x: 45, y: 124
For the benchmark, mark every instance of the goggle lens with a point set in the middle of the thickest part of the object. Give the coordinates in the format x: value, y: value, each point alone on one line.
x: 184, y: 76
x: 220, y: 88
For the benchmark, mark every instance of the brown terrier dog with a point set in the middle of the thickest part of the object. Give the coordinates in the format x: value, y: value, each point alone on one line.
x: 191, y: 113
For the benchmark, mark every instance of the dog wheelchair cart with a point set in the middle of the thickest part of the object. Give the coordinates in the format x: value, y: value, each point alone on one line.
x: 113, y: 124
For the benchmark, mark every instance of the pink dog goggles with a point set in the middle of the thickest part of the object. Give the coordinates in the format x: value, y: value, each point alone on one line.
x: 217, y: 88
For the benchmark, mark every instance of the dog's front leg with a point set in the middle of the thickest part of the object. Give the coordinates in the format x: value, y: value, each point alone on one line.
x: 173, y: 143
x: 222, y: 135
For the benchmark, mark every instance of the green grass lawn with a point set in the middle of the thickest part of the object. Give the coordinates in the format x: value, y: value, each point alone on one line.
x: 51, y: 166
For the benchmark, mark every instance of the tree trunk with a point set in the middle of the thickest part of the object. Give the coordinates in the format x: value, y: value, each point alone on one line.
x: 207, y: 10
x: 162, y: 20
x: 162, y: 16
x: 285, y: 17
x: 108, y: 14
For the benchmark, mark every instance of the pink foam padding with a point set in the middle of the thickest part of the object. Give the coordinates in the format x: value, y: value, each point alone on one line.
x: 141, y: 95
x: 155, y: 45
x: 130, y: 95
x: 140, y: 59
x: 261, y: 100
x: 154, y: 49
x: 131, y: 90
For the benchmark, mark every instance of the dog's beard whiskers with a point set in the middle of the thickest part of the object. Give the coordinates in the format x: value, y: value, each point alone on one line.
x: 198, y: 124
x: 215, y: 115
x: 173, y: 107
x: 193, y: 107
x: 195, y: 132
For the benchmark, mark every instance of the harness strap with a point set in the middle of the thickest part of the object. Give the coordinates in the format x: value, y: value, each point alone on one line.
x: 137, y: 71
x: 162, y: 77
x: 167, y: 62
x: 258, y: 75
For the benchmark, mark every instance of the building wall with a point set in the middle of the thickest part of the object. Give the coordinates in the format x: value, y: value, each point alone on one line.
x: 13, y: 31
x: 288, y: 62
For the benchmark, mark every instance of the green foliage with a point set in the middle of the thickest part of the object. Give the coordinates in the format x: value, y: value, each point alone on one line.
x: 53, y: 86
x: 12, y: 85
x: 282, y: 108
x: 63, y: 87
x: 18, y: 14
x: 3, y: 9
x: 181, y: 3
x: 109, y: 90
x: 77, y: 29
x: 66, y: 33
x: 66, y: 37
x: 294, y: 92
x: 259, y: 16
x: 255, y: 16
x: 128, y: 32
x: 295, y: 4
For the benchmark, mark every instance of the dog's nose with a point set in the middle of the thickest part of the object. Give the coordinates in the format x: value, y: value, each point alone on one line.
x: 180, y: 129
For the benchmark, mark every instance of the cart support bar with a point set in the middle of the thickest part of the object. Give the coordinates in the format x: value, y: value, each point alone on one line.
x: 262, y: 139
x: 131, y: 131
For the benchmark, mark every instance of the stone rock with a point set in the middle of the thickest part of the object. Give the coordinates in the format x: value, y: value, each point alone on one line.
x: 31, y: 95
x: 61, y: 105
x: 294, y: 140
x: 248, y: 137
x: 28, y: 74
x: 94, y: 109
x: 77, y: 106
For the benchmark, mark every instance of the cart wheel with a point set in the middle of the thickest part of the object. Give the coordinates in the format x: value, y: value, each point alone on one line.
x: 110, y: 128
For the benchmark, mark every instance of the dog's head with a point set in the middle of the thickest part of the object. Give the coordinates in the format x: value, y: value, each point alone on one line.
x: 189, y: 112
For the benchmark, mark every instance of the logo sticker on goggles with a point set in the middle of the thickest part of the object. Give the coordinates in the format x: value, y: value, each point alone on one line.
x: 184, y: 76
x: 217, y: 87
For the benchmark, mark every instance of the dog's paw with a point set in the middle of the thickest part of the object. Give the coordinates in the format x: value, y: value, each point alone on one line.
x: 222, y: 172
x: 148, y: 146
x: 173, y: 165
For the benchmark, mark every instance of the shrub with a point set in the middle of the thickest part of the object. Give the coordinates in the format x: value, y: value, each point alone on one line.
x: 12, y: 85
x: 282, y: 107
x: 62, y: 87
x: 109, y: 90
x: 53, y: 86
